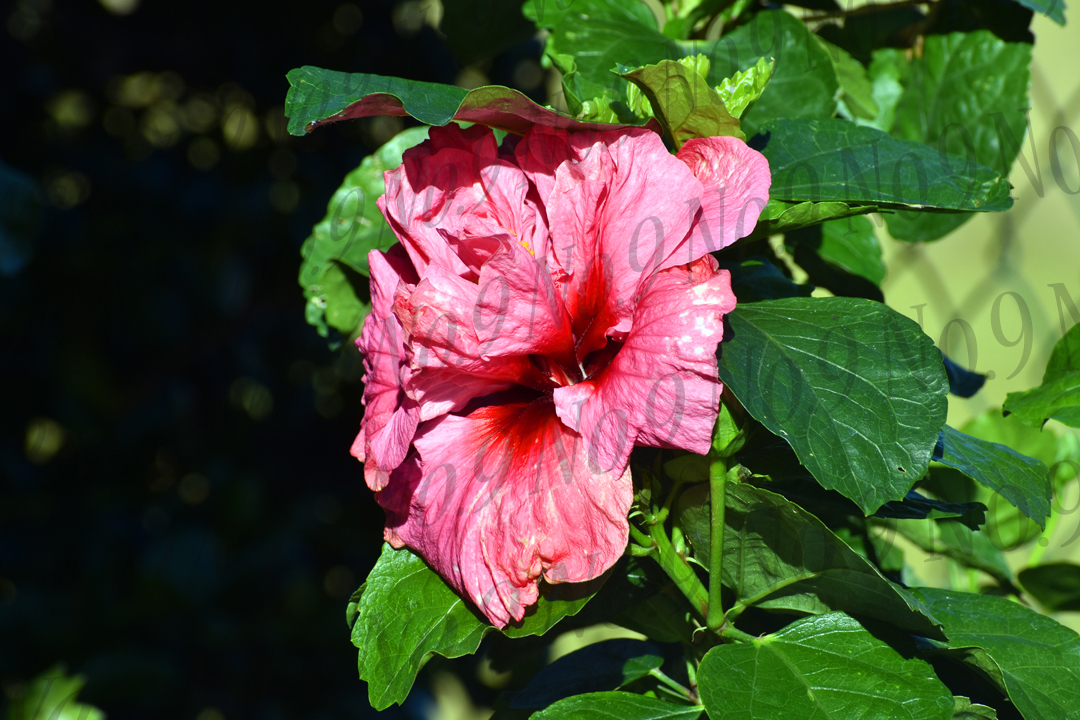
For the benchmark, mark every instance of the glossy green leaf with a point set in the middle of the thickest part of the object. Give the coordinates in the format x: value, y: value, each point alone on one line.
x: 823, y: 160
x: 683, y: 102
x: 599, y: 38
x: 1032, y: 658
x: 960, y: 96
x: 777, y: 556
x: 803, y: 83
x: 599, y: 35
x: 827, y: 666
x: 53, y: 695
x: 964, y: 709
x: 857, y: 91
x: 1022, y: 480
x: 318, y: 96
x: 841, y: 255
x: 352, y: 227
x: 606, y: 665
x: 406, y: 612
x: 1055, y: 585
x: 856, y: 388
x: 1007, y: 526
x: 1053, y: 9
x: 617, y: 706
x: 779, y: 216
x: 1058, y: 397
x: 547, y: 13
x: 745, y: 86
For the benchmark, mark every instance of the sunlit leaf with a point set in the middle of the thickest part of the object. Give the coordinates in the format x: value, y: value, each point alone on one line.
x: 827, y: 666
x: 856, y: 389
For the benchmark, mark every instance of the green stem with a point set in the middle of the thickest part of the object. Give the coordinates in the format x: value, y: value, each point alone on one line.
x: 680, y: 571
x: 718, y: 476
x: 683, y: 692
x: 640, y: 538
x: 735, y: 634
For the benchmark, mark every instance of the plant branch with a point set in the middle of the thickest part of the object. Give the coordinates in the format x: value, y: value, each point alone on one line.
x: 718, y: 477
x: 680, y: 571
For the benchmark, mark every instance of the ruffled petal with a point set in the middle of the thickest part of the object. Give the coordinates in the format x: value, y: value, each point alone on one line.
x: 453, y: 199
x: 736, y: 181
x: 502, y: 497
x: 615, y: 216
x: 661, y: 388
x: 518, y: 310
x: 390, y: 417
x: 447, y: 368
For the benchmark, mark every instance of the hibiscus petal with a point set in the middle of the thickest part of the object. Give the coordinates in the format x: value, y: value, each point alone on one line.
x: 615, y: 216
x: 504, y: 495
x: 518, y: 311
x: 447, y: 368
x: 736, y: 182
x: 390, y: 417
x: 661, y: 389
x: 453, y: 197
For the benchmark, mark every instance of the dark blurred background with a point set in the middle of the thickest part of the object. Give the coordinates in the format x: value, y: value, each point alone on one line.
x: 180, y: 518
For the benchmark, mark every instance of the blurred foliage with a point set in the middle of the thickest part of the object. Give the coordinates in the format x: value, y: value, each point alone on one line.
x: 180, y: 520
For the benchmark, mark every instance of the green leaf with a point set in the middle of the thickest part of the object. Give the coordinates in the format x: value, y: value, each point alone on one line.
x: 964, y: 709
x: 777, y: 556
x: 886, y: 71
x: 1058, y: 397
x: 662, y: 618
x: 919, y: 507
x: 822, y: 160
x: 857, y: 390
x: 1053, y: 9
x: 827, y: 666
x: 1055, y: 585
x: 53, y: 696
x: 779, y: 216
x: 1006, y: 525
x: 841, y: 255
x: 803, y: 84
x: 956, y: 540
x: 318, y: 96
x: 547, y: 13
x: 602, y: 34
x: 616, y: 706
x: 1023, y: 481
x: 745, y: 86
x: 857, y: 97
x: 756, y: 279
x: 352, y: 227
x: 957, y: 93
x: 1032, y: 658
x: 683, y: 102
x: 406, y: 612
x: 606, y: 665
x: 598, y: 37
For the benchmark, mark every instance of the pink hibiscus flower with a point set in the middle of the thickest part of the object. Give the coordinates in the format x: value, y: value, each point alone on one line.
x: 552, y: 304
